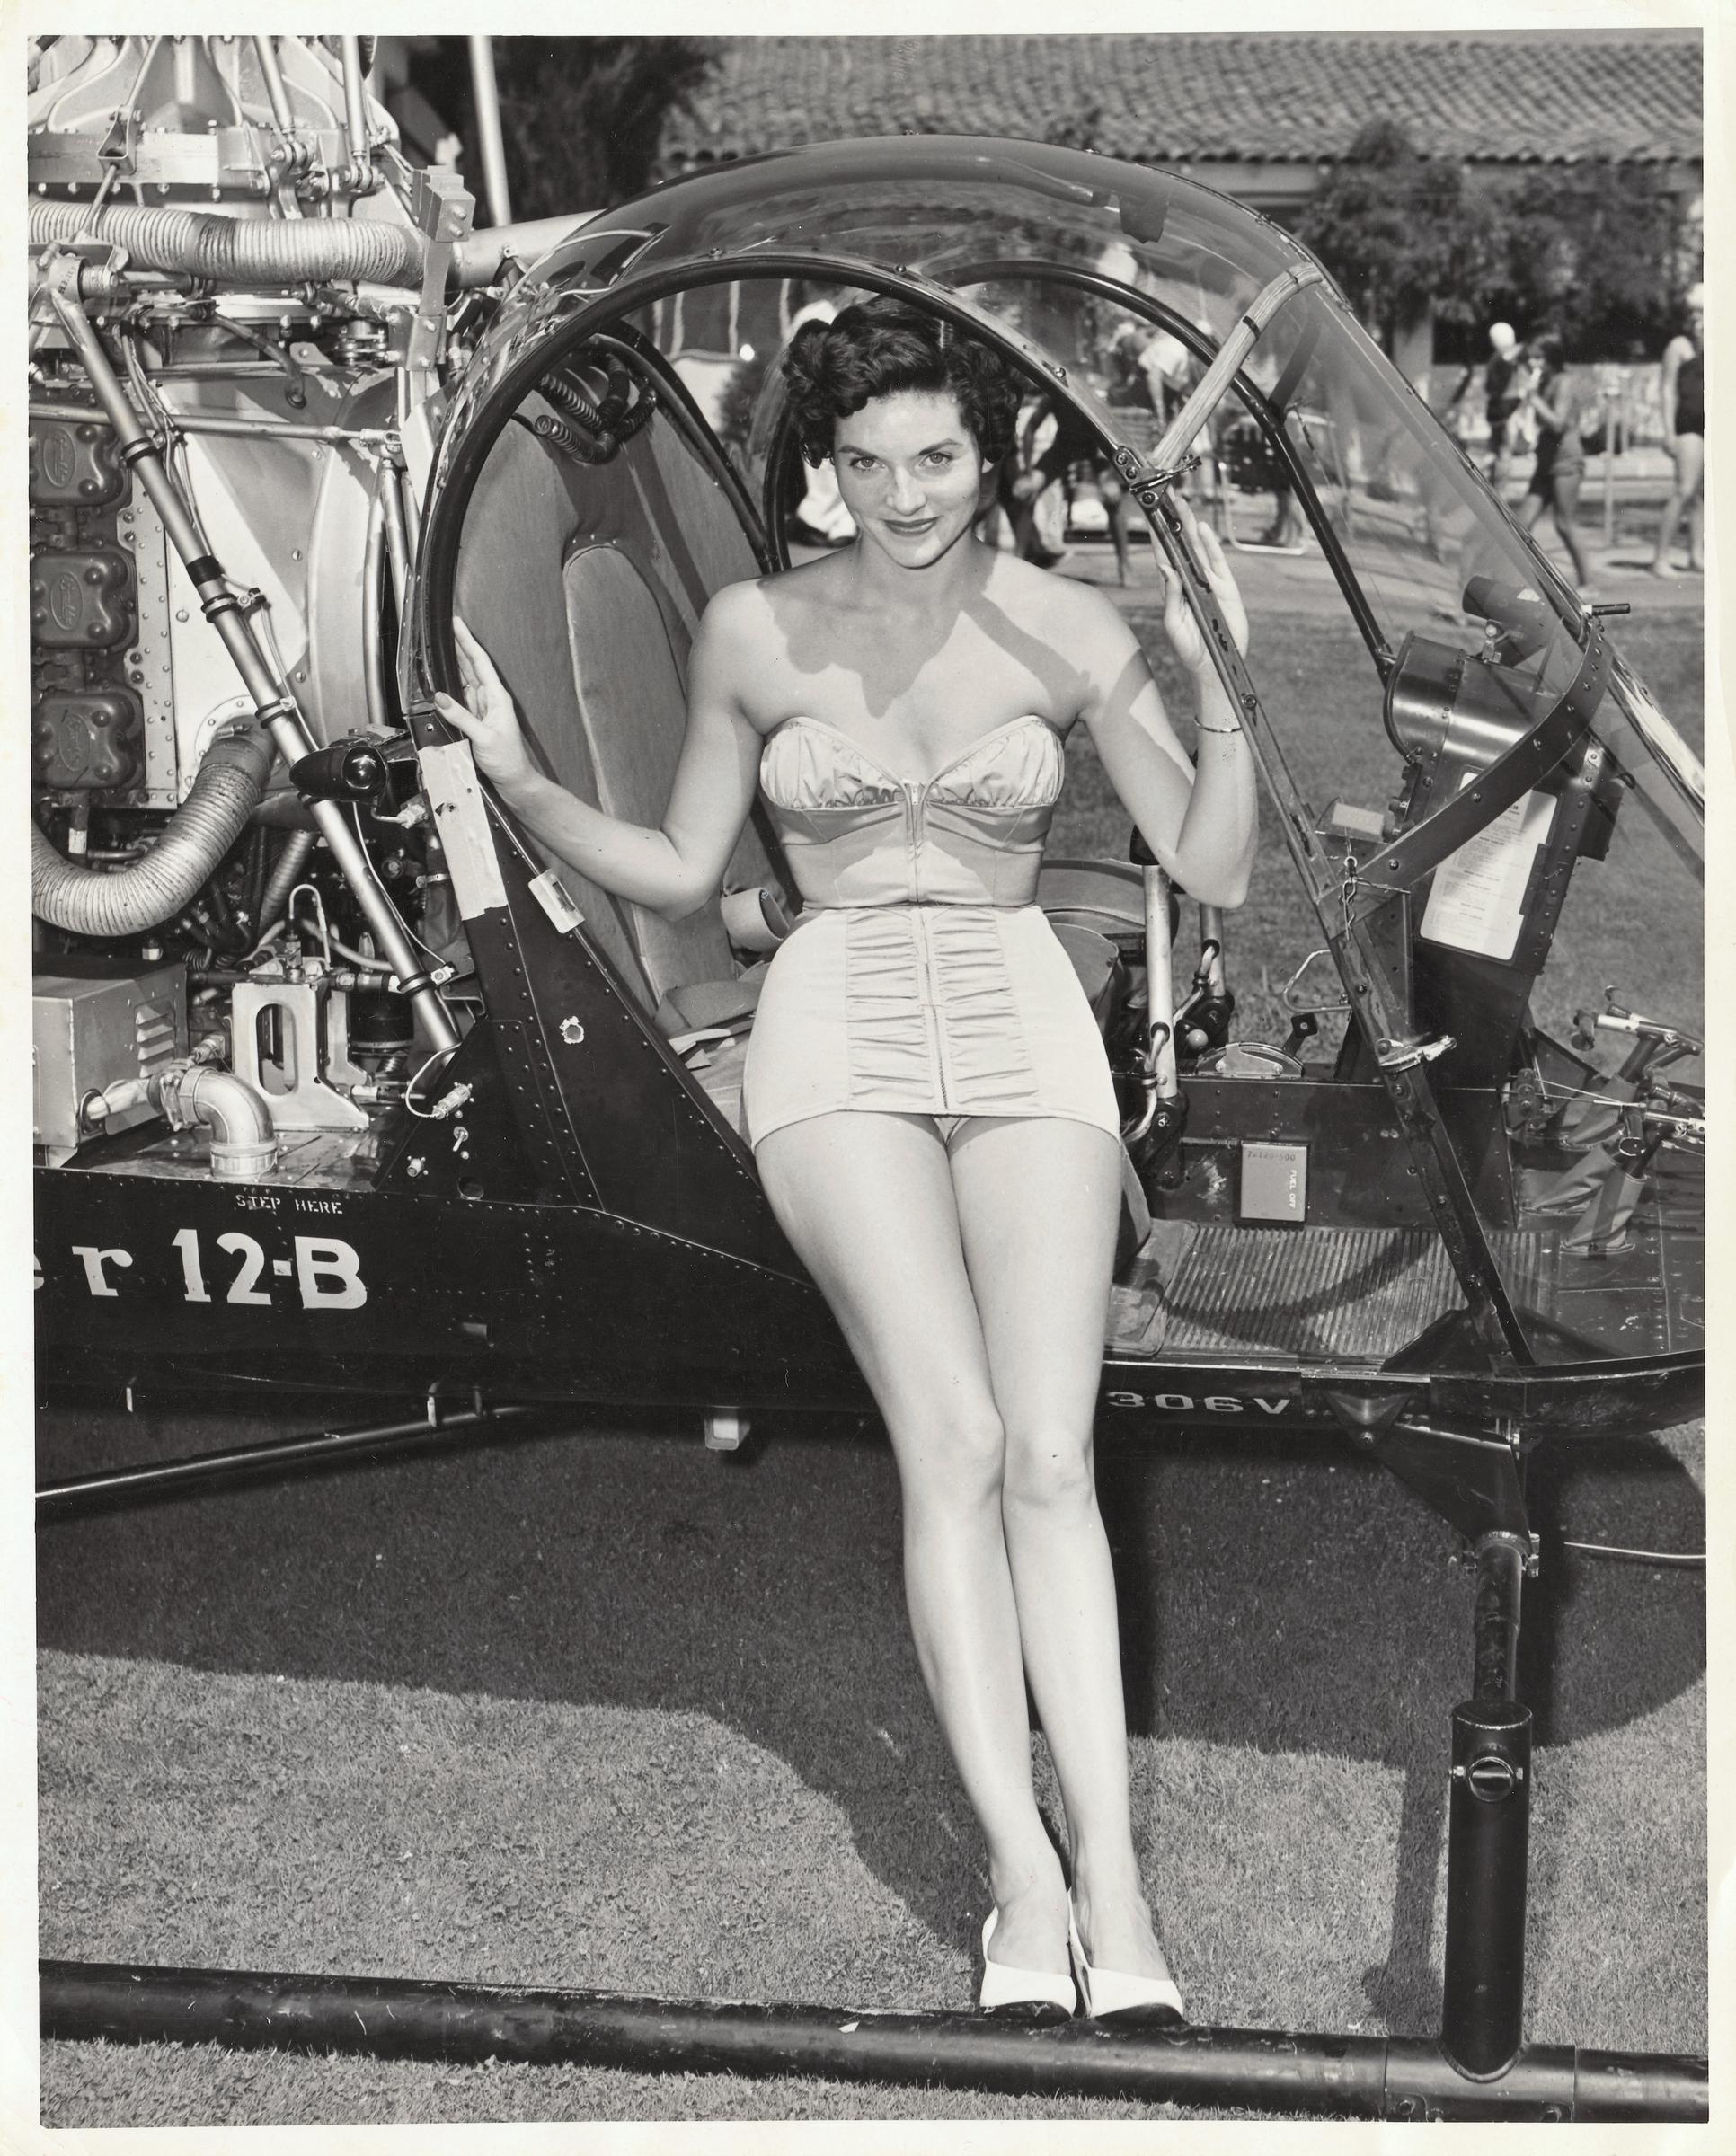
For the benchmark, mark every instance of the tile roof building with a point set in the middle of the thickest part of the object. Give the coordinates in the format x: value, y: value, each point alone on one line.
x: 1257, y: 116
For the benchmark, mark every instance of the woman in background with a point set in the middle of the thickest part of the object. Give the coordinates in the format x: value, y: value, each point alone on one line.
x: 1684, y: 428
x: 1559, y: 472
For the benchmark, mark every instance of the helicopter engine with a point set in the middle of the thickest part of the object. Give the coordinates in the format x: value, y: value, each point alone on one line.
x: 237, y: 324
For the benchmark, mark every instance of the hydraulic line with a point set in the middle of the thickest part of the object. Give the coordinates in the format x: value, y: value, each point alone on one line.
x: 240, y: 251
x: 276, y: 714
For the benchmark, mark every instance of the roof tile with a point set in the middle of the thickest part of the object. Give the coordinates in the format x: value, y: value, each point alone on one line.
x: 1198, y: 99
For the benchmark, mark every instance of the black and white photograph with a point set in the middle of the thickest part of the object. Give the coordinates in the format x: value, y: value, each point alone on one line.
x: 864, y: 1274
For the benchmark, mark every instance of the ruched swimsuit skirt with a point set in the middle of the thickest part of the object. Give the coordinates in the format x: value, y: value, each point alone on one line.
x: 922, y: 978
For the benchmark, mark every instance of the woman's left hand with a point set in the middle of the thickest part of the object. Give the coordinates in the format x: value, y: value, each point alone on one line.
x: 1179, y: 624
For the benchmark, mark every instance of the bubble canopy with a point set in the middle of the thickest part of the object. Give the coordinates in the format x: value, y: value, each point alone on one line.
x: 1052, y: 251
x: 1515, y: 723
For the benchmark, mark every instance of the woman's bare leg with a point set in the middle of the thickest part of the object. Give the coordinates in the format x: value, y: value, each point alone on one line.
x: 867, y: 1202
x: 1688, y: 455
x: 1038, y: 1203
x: 1564, y: 501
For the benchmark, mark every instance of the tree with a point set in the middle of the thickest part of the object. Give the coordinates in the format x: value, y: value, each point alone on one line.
x: 1405, y: 236
x: 1593, y: 251
x: 583, y: 116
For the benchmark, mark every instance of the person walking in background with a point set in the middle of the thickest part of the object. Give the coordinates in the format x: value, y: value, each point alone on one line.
x: 1502, y: 397
x: 820, y: 518
x: 1056, y: 446
x: 1552, y: 401
x: 1684, y: 427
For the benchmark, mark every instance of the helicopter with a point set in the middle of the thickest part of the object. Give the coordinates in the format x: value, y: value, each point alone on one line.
x: 341, y: 1084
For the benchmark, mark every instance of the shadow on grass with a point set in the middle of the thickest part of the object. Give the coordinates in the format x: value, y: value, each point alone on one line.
x: 1381, y: 1649
x: 1289, y: 1599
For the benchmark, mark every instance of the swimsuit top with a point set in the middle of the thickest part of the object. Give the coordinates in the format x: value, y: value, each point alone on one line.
x: 1690, y: 396
x: 854, y: 834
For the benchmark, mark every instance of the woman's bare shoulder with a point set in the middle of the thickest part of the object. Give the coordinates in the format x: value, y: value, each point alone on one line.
x: 1067, y: 613
x: 758, y: 601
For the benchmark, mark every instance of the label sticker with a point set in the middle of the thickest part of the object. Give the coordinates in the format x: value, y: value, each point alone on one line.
x: 1477, y: 902
x: 461, y: 818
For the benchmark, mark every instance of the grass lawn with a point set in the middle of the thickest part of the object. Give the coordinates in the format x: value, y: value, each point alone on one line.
x: 603, y: 1710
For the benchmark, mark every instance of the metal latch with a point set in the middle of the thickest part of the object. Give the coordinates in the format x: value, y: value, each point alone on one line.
x: 1406, y: 1055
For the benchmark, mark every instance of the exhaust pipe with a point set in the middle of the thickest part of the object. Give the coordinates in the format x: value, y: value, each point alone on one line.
x: 240, y: 251
x: 225, y: 791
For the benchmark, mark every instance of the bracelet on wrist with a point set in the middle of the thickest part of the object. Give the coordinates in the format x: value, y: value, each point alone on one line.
x: 1200, y: 727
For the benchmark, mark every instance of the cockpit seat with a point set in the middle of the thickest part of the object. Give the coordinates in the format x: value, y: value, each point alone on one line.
x: 631, y: 696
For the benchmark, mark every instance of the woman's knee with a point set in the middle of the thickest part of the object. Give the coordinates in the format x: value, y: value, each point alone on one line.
x: 953, y: 1459
x: 1049, y: 1470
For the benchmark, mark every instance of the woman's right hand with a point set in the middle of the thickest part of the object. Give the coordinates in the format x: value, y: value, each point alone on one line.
x: 486, y: 717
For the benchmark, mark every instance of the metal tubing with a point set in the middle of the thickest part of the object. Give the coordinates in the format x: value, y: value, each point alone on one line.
x: 278, y: 1455
x: 276, y: 712
x: 1160, y: 984
x: 265, y: 51
x: 1495, y: 1625
x: 355, y: 112
x: 1488, y: 1831
x: 1488, y: 1837
x: 211, y: 422
x: 1214, y: 383
x: 485, y: 97
x: 1357, y: 2077
x: 1212, y: 930
x: 397, y: 534
x: 477, y: 258
x: 372, y: 629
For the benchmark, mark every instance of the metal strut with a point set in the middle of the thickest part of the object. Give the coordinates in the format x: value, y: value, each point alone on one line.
x: 1488, y: 1831
x: 1269, y: 2070
x: 120, y: 1486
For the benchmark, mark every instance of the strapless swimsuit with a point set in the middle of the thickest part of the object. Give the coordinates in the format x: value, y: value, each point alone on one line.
x: 922, y: 978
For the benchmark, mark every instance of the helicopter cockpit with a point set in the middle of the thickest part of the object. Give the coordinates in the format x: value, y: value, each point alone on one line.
x: 1422, y: 1157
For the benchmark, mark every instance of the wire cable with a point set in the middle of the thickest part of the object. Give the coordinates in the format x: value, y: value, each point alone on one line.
x: 424, y: 1114
x: 1648, y: 1556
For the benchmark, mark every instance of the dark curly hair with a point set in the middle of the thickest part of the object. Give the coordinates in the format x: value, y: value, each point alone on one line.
x: 883, y: 345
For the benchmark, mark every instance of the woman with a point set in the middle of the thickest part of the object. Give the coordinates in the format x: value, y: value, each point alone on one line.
x: 1071, y: 447
x: 926, y: 1092
x: 1559, y: 468
x: 1684, y: 428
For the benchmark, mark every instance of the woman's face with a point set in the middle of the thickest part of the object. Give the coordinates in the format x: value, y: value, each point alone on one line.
x: 910, y: 473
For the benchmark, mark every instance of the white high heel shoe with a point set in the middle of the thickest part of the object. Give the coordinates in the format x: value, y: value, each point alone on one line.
x: 1003, y: 1986
x: 1114, y: 1991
